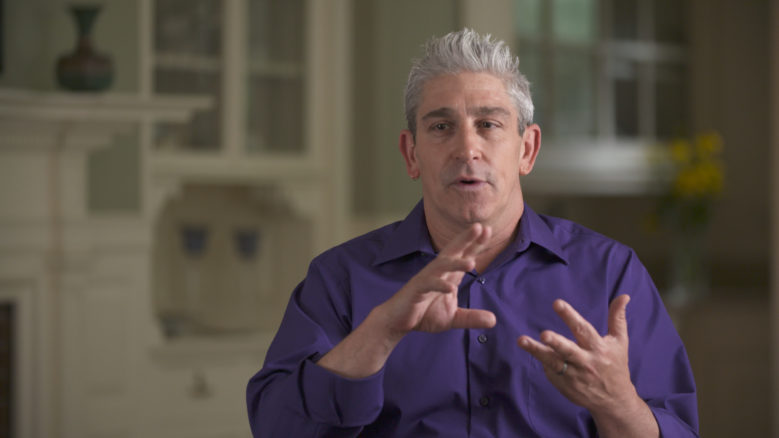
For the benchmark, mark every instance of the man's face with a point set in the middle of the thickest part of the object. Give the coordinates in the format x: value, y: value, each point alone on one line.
x: 468, y: 150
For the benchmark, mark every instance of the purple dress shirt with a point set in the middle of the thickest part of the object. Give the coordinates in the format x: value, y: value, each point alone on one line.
x: 465, y: 383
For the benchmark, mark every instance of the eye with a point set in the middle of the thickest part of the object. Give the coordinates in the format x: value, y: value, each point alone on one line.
x: 487, y: 124
x: 440, y: 126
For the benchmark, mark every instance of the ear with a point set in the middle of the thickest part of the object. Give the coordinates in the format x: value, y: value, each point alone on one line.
x: 408, y: 150
x: 531, y: 144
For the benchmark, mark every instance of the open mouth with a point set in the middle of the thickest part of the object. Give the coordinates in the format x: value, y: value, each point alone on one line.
x: 469, y: 183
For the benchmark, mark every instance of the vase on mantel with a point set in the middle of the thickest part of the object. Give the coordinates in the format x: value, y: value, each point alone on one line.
x: 85, y: 69
x: 688, y: 269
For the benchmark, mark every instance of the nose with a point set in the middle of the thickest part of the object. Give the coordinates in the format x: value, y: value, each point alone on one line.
x: 468, y: 145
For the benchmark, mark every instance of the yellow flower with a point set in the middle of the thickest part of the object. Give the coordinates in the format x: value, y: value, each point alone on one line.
x: 681, y: 151
x: 708, y: 145
x: 697, y: 178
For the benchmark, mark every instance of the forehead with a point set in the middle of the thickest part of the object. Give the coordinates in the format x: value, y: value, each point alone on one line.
x: 463, y: 92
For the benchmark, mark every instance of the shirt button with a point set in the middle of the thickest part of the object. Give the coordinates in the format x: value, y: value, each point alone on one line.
x: 481, y: 280
x: 484, y: 401
x: 482, y: 338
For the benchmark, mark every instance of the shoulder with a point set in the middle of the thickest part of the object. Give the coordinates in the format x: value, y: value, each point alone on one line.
x: 360, y: 250
x: 579, y: 240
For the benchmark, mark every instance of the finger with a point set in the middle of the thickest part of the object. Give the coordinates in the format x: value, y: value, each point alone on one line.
x: 582, y: 330
x: 463, y: 240
x: 473, y: 318
x: 618, y: 324
x: 436, y: 284
x: 564, y: 347
x: 477, y: 245
x: 444, y: 264
x: 544, y: 353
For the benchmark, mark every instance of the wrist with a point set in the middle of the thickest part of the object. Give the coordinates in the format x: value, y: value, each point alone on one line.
x: 379, y: 322
x: 630, y: 413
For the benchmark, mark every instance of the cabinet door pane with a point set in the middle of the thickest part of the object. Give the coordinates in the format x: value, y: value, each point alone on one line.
x: 190, y: 27
x: 574, y: 92
x: 624, y: 25
x: 574, y: 21
x: 203, y: 132
x: 276, y: 49
x: 528, y: 18
x: 531, y: 64
x: 670, y: 21
x: 671, y: 110
x: 188, y: 62
x: 626, y: 105
x: 275, y: 115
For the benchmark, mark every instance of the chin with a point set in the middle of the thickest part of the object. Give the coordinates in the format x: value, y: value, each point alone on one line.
x: 471, y: 215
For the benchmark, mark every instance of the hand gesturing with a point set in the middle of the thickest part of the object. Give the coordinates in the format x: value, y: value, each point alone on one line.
x: 593, y: 371
x: 428, y: 302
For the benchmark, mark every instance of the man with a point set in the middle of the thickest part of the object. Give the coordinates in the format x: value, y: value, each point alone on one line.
x: 412, y: 329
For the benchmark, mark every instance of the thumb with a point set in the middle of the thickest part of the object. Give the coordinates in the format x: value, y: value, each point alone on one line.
x: 618, y: 324
x: 473, y: 319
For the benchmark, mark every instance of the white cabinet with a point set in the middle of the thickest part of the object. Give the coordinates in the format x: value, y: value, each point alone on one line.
x: 263, y: 166
x: 103, y: 348
x: 255, y: 58
x: 240, y: 198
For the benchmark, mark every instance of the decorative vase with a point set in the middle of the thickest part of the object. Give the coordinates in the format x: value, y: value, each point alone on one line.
x: 85, y: 69
x: 689, y: 275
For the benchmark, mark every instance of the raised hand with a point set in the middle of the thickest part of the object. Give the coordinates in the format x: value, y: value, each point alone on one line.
x: 428, y: 302
x: 593, y: 371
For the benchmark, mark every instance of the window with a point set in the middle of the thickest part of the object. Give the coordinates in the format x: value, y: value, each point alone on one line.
x: 605, y: 70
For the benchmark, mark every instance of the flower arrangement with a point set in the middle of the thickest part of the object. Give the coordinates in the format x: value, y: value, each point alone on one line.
x: 697, y: 179
x: 685, y: 208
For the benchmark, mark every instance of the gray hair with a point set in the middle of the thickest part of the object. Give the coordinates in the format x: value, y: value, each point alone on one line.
x: 467, y: 51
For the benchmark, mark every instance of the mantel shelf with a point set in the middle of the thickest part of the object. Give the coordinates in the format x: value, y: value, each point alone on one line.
x: 18, y: 104
x: 224, y: 168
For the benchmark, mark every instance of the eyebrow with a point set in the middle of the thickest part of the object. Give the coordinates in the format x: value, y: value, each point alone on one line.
x: 481, y: 111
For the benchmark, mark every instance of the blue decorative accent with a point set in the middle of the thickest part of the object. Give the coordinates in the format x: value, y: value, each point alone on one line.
x: 247, y: 242
x: 194, y: 238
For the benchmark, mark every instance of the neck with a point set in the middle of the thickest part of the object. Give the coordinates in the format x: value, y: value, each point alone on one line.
x: 504, y: 230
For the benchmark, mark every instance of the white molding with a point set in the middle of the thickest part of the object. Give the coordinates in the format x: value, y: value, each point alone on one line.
x: 217, y: 168
x: 93, y: 107
x: 30, y: 135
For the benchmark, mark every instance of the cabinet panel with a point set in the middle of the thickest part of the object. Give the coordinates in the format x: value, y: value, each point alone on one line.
x: 249, y: 55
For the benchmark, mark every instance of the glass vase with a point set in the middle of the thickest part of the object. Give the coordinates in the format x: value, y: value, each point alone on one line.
x: 688, y: 269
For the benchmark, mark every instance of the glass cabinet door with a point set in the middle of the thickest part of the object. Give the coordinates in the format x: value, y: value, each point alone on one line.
x: 188, y: 61
x: 249, y: 56
x: 275, y: 80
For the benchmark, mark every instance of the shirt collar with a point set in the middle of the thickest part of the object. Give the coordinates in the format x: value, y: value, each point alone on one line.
x: 534, y: 229
x: 408, y: 237
x: 411, y: 236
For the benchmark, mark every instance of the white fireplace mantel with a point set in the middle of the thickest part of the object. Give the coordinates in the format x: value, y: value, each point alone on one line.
x: 57, y: 261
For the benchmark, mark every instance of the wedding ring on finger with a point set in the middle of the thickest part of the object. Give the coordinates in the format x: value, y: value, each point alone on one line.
x: 563, y: 369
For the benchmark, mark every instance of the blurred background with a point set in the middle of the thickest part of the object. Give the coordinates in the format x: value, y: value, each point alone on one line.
x: 169, y: 167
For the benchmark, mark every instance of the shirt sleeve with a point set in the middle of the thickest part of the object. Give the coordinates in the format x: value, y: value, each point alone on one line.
x: 658, y: 362
x: 291, y: 395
